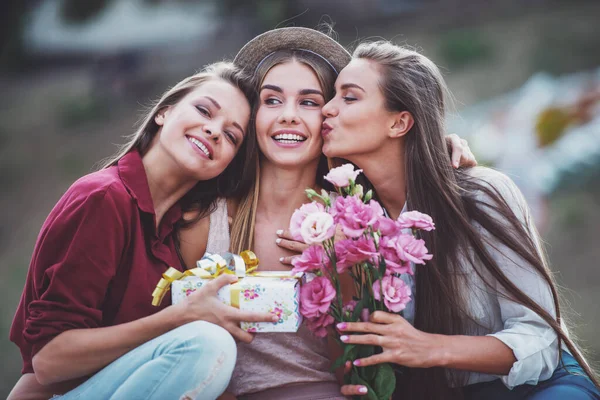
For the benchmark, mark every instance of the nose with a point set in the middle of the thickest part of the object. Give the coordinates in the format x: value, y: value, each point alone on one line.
x: 213, y: 132
x: 288, y: 114
x: 329, y: 110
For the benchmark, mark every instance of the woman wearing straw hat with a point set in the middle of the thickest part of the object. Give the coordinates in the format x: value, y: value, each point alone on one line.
x: 295, y: 69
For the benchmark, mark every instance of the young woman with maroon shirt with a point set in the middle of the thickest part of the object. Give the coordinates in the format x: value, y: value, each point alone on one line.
x: 85, y: 324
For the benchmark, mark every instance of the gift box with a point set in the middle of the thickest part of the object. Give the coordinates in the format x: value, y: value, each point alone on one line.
x: 274, y: 292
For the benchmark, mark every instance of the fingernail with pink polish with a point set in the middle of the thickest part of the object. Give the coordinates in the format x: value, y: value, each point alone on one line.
x: 344, y: 338
x: 279, y: 232
x: 356, y: 362
x: 342, y: 325
x: 363, y: 389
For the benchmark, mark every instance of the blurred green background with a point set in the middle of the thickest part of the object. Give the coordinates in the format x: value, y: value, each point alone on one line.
x: 74, y: 77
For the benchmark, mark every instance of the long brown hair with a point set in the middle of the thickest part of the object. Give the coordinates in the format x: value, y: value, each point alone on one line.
x: 236, y: 180
x: 411, y: 82
x: 242, y: 229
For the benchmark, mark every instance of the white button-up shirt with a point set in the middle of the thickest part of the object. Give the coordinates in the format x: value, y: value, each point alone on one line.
x: 533, y: 341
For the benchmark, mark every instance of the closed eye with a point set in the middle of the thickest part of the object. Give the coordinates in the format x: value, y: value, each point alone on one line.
x: 232, y: 138
x: 204, y: 111
x: 349, y: 98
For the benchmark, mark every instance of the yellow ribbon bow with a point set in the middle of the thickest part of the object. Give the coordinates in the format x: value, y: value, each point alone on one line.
x: 209, y: 267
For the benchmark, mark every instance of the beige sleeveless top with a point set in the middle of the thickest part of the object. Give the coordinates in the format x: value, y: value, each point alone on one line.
x: 272, y: 359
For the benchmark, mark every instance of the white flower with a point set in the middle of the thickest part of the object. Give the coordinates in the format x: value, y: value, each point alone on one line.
x: 343, y: 176
x: 317, y: 227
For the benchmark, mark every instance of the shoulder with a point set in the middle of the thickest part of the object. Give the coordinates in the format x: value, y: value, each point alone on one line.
x: 103, y: 191
x: 498, y: 183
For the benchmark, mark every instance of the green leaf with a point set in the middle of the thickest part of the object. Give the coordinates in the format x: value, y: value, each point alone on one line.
x: 337, y: 363
x: 357, y: 310
x: 385, y: 381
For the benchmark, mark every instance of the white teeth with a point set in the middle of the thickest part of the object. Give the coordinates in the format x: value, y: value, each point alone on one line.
x: 200, y: 146
x: 289, y: 138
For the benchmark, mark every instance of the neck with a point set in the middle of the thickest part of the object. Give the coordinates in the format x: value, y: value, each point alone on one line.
x: 282, y: 188
x: 165, y: 181
x: 386, y: 171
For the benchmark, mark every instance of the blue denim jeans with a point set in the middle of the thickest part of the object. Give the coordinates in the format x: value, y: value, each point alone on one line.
x: 194, y: 361
x: 568, y: 382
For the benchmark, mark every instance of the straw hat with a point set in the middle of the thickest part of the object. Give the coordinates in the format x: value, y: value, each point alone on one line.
x: 259, y: 48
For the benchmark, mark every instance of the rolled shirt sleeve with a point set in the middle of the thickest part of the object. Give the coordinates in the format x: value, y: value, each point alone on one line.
x: 532, y: 340
x: 75, y: 259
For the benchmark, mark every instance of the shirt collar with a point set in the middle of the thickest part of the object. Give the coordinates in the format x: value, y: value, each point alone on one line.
x: 133, y: 175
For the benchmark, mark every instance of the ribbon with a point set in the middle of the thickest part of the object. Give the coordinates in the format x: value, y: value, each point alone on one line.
x: 209, y: 267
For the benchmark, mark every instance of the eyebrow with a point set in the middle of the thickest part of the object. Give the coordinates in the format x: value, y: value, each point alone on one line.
x: 302, y: 92
x: 213, y: 101
x: 351, y: 85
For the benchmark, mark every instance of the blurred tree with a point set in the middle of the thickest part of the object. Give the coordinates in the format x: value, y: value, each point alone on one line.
x: 77, y: 11
x: 11, y: 35
x: 462, y: 47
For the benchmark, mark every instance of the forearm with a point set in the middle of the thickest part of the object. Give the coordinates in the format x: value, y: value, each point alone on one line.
x: 483, y: 354
x: 82, y: 352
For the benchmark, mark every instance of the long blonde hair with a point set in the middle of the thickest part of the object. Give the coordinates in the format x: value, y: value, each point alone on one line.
x: 242, y: 229
x: 237, y: 178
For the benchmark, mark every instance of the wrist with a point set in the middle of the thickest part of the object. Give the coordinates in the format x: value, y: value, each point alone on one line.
x: 442, y: 351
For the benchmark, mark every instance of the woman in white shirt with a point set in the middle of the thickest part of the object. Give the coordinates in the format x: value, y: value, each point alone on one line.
x: 486, y: 320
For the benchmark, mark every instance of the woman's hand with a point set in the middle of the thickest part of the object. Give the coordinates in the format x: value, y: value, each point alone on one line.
x: 204, y: 305
x: 461, y: 153
x: 286, y: 241
x: 401, y: 342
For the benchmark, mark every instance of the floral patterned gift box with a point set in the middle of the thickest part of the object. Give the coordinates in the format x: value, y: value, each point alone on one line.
x: 274, y: 292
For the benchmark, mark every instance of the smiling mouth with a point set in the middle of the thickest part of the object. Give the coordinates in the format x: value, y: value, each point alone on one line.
x: 289, y: 138
x: 201, y: 146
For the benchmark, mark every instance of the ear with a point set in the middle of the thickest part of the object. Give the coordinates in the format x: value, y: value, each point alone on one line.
x: 402, y: 123
x: 159, y: 118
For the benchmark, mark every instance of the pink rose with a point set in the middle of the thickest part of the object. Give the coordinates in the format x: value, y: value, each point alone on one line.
x: 317, y: 227
x: 299, y: 216
x: 388, y: 227
x: 396, y: 294
x: 354, y: 216
x: 412, y: 249
x: 390, y: 250
x: 311, y: 259
x: 416, y: 220
x: 316, y: 297
x: 349, y: 252
x: 343, y: 176
x: 319, y: 325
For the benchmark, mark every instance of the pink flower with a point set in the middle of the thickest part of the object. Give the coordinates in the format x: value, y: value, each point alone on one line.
x: 416, y: 220
x: 354, y: 216
x: 349, y: 252
x: 343, y: 176
x: 396, y: 294
x: 313, y: 258
x: 319, y: 325
x: 350, y: 306
x: 388, y: 227
x: 299, y: 216
x: 391, y: 251
x: 316, y: 297
x: 317, y: 227
x: 412, y: 249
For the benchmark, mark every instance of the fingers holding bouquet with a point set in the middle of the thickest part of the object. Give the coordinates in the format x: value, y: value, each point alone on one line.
x: 401, y: 343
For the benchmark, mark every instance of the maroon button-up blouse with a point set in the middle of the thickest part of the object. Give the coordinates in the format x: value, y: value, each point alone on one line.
x: 97, y: 259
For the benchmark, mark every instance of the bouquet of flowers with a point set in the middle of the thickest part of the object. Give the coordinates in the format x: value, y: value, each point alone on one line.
x: 374, y: 250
